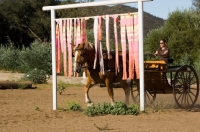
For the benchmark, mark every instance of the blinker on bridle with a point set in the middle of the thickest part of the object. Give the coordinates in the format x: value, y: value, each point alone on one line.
x: 82, y: 55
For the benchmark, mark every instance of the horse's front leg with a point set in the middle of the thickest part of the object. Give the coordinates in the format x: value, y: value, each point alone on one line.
x: 126, y: 89
x: 86, y: 90
x: 109, y: 86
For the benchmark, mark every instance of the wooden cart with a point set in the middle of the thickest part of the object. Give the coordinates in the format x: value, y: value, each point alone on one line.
x: 181, y: 81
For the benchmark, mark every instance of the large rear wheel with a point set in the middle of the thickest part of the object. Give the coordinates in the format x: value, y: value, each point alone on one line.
x: 186, y: 87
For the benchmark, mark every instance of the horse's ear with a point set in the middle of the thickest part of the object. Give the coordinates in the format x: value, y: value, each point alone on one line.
x: 73, y: 45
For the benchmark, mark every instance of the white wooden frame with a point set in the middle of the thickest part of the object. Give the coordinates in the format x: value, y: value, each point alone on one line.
x: 90, y: 4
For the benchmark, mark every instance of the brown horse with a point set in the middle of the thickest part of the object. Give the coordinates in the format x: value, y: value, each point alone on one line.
x: 85, y: 53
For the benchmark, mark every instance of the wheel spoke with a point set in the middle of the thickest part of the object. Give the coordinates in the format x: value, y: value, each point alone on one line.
x: 147, y: 96
x: 179, y: 96
x: 190, y: 97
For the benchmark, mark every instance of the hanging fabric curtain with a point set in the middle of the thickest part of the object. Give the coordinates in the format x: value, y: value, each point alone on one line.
x: 75, y: 31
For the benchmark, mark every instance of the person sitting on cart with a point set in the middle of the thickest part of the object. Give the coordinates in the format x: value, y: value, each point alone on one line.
x: 163, y: 51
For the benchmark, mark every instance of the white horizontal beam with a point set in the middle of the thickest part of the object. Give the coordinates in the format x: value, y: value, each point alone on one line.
x: 98, y: 3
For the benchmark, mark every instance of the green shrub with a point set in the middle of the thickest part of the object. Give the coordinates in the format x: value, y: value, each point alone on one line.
x: 105, y: 108
x: 74, y: 106
x: 119, y: 108
x: 36, y: 76
x: 9, y: 58
x: 90, y: 111
x: 38, y: 55
x: 133, y: 109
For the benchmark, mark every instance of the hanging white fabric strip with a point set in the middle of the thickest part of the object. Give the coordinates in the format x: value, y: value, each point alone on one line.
x: 96, y: 39
x: 115, y: 18
x: 108, y: 36
x: 100, y: 46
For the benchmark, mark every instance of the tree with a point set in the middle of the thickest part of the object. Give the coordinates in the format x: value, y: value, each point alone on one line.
x: 182, y: 30
x: 196, y: 4
x: 26, y: 20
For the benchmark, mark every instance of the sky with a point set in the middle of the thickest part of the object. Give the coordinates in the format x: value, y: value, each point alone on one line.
x: 161, y: 8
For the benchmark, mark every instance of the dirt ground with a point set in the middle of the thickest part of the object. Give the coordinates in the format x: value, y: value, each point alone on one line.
x: 18, y: 113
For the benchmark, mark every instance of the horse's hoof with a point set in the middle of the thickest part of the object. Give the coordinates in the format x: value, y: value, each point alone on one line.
x: 88, y: 101
x: 89, y: 104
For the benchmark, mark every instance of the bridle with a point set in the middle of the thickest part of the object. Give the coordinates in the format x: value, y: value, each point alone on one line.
x: 83, y: 53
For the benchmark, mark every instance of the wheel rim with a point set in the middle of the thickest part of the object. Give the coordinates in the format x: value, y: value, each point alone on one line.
x: 149, y: 97
x: 186, y: 87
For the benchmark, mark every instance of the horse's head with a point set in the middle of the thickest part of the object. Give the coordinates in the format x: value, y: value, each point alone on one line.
x: 80, y: 56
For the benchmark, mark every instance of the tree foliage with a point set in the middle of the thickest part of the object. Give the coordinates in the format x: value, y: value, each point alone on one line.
x: 196, y: 4
x: 24, y: 21
x: 182, y: 31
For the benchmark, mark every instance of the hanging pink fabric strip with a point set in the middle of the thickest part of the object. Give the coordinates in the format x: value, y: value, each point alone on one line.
x: 83, y: 36
x: 64, y: 48
x: 69, y: 42
x: 115, y: 18
x: 57, y: 48
x: 123, y: 43
x: 95, y: 29
x: 83, y: 30
x: 78, y: 32
x: 60, y: 33
x: 129, y: 29
x: 108, y: 35
x: 74, y: 28
x: 100, y: 46
x: 136, y: 46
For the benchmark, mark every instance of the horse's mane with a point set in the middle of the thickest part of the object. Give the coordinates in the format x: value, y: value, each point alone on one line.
x: 89, y: 46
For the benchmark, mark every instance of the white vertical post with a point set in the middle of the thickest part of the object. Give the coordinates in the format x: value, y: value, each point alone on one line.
x: 141, y: 55
x: 53, y: 45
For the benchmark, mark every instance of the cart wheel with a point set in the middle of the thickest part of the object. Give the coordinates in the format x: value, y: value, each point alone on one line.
x: 186, y: 87
x: 149, y: 98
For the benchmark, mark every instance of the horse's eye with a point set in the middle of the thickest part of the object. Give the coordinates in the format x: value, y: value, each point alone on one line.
x: 82, y: 54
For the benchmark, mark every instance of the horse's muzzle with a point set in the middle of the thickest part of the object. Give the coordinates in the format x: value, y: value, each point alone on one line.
x: 78, y: 69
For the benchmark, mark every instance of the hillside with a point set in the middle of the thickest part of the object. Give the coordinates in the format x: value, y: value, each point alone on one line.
x: 150, y: 21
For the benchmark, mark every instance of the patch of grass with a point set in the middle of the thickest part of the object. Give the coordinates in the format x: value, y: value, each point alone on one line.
x: 74, y: 106
x: 62, y: 109
x: 37, y: 108
x: 70, y: 106
x: 61, y: 87
x: 160, y: 106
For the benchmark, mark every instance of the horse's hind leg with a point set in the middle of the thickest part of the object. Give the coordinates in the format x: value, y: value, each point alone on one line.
x: 126, y: 89
x: 110, y: 89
